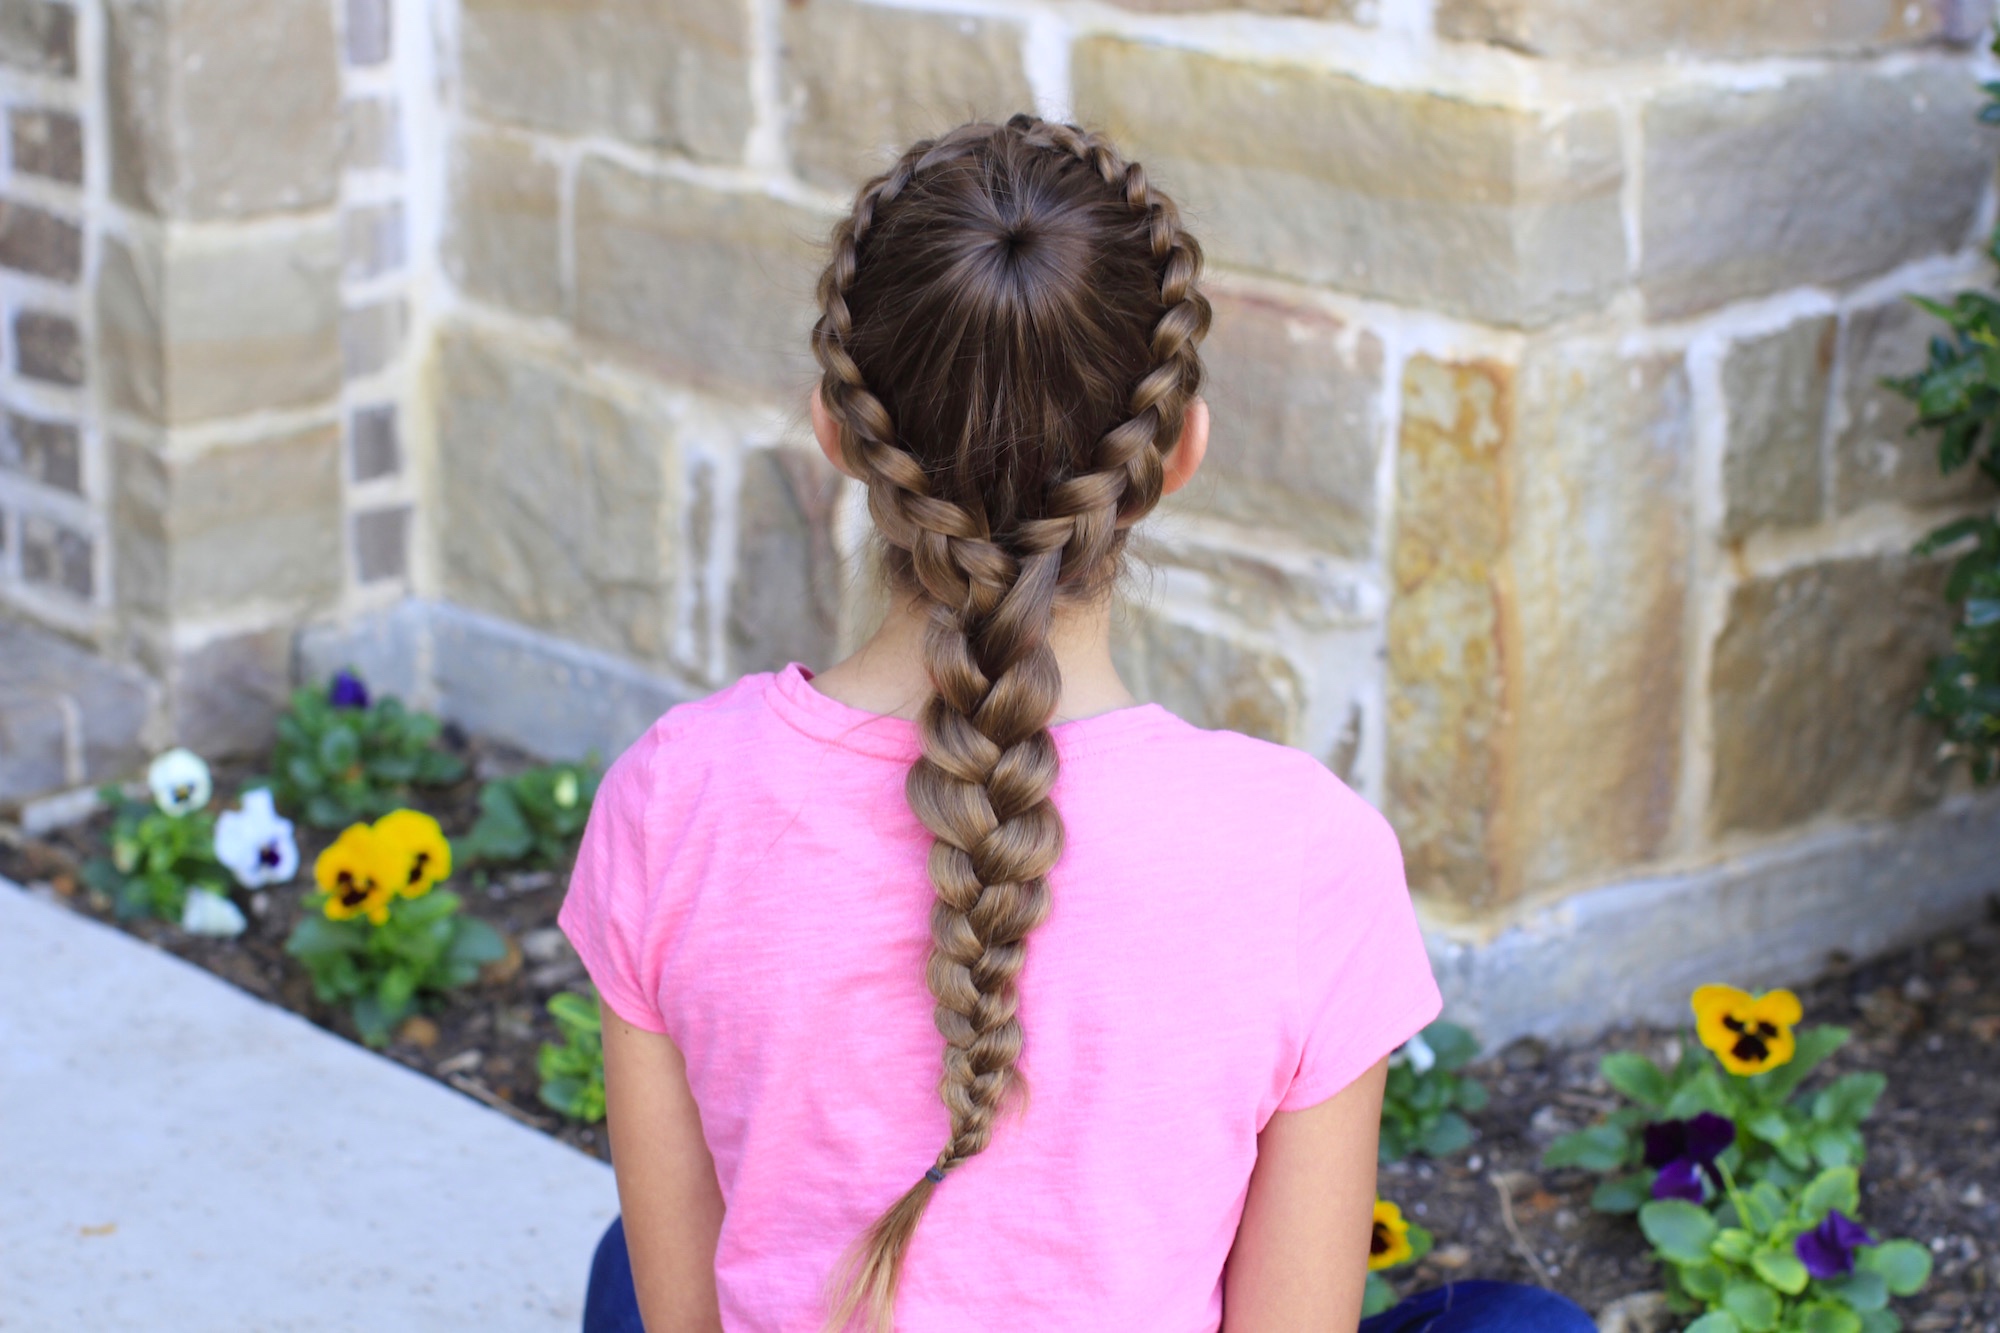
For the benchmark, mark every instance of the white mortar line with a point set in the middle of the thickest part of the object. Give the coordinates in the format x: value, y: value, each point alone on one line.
x: 196, y: 439
x: 1046, y: 42
x: 1632, y: 185
x: 1709, y: 584
x: 764, y: 147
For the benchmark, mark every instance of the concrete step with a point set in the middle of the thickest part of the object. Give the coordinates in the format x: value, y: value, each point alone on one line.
x: 178, y: 1156
x: 66, y: 717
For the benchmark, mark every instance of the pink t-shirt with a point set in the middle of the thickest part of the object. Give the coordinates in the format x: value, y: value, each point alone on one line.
x: 1230, y: 936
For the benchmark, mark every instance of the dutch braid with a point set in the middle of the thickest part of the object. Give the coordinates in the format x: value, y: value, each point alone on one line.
x: 992, y: 582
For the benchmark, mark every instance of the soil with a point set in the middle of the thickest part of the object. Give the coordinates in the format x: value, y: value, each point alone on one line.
x: 1927, y: 1017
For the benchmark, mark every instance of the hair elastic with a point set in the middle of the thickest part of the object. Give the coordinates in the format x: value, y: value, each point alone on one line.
x: 935, y: 1175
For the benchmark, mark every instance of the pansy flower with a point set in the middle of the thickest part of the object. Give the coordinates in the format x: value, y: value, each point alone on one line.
x: 179, y: 782
x: 1417, y: 1054
x: 356, y: 877
x: 346, y: 690
x: 207, y: 912
x: 1827, y: 1250
x: 413, y: 842
x: 1389, y: 1241
x: 1683, y: 1151
x: 256, y: 842
x: 1748, y: 1033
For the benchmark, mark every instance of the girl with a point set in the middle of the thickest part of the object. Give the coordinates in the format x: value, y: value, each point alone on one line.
x: 1167, y: 965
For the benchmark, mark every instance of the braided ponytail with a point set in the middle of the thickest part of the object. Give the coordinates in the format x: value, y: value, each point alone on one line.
x: 1007, y: 344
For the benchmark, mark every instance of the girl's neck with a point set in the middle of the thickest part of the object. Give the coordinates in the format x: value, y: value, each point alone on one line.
x: 886, y: 674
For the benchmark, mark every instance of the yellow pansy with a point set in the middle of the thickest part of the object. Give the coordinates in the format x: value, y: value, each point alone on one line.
x: 1748, y: 1033
x: 1389, y: 1243
x: 413, y: 841
x: 355, y: 876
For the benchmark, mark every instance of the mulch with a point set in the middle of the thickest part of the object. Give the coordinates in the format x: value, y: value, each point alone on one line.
x: 1928, y: 1017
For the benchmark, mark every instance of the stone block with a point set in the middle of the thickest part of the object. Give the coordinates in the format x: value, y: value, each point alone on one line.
x: 1814, y: 677
x: 1875, y: 457
x: 1775, y: 388
x: 1535, y: 642
x: 1648, y: 29
x: 675, y: 77
x: 503, y: 239
x: 47, y: 347
x: 191, y: 330
x: 34, y: 744
x: 785, y: 602
x: 241, y: 524
x: 710, y: 286
x: 49, y: 452
x: 864, y: 81
x: 1210, y: 678
x: 46, y: 143
x: 49, y: 686
x: 223, y: 108
x: 558, y: 500
x: 1828, y: 177
x: 370, y: 32
x: 1446, y: 695
x: 371, y: 336
x: 382, y: 544
x: 55, y: 555
x: 39, y: 37
x: 371, y: 134
x: 372, y: 240
x: 373, y: 444
x: 1295, y: 423
x: 1495, y: 213
x: 36, y: 241
x: 224, y: 697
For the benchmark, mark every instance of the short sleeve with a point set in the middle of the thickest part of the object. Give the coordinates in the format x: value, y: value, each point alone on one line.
x: 1365, y: 983
x: 609, y: 904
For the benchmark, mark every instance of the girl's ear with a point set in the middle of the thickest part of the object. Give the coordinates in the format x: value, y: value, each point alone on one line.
x: 828, y: 435
x: 1184, y: 459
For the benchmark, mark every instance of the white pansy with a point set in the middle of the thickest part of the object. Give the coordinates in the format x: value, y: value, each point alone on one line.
x: 179, y: 781
x: 209, y: 913
x: 257, y: 843
x: 565, y: 789
x: 1417, y: 1053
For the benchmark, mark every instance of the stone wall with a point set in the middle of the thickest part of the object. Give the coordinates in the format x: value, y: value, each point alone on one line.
x: 1553, y: 498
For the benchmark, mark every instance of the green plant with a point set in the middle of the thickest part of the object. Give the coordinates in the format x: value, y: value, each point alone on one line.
x: 535, y: 817
x: 1426, y: 1098
x: 1957, y: 397
x: 341, y: 756
x: 156, y: 859
x: 1782, y: 1259
x: 1774, y: 1131
x: 572, y: 1070
x: 381, y: 937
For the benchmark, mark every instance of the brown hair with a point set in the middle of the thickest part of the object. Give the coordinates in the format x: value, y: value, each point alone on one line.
x: 1007, y: 345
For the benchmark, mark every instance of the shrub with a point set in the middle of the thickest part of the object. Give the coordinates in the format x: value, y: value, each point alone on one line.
x: 532, y: 818
x: 382, y: 936
x: 342, y: 757
x: 572, y: 1070
x: 163, y: 850
x: 1425, y: 1098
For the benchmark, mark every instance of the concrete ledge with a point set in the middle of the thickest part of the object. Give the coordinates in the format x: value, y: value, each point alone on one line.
x: 182, y: 1156
x: 1636, y: 950
x: 543, y: 694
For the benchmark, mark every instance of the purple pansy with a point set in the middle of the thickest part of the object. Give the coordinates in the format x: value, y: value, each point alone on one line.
x: 347, y: 691
x: 1683, y: 1151
x: 1827, y: 1250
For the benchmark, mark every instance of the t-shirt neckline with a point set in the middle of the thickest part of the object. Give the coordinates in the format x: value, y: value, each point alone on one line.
x: 792, y: 696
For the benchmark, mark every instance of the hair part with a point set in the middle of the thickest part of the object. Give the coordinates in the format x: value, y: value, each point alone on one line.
x: 1007, y: 344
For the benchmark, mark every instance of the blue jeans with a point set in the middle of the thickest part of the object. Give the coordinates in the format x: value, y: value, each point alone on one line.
x: 611, y: 1306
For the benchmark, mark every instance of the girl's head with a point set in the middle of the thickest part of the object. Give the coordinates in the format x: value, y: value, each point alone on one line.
x: 1007, y: 344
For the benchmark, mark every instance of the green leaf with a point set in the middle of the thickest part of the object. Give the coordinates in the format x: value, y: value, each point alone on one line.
x: 1772, y: 1126
x: 1471, y: 1096
x: 1880, y: 1321
x: 1826, y: 1317
x: 1764, y: 1204
x: 1733, y: 1244
x: 1377, y: 1296
x: 1623, y: 1194
x: 1905, y: 1266
x: 1814, y: 1045
x: 1836, y: 1188
x: 1602, y: 1147
x: 1637, y: 1077
x: 1716, y: 1321
x: 1754, y: 1305
x: 1703, y: 1280
x: 1864, y: 1289
x: 1453, y: 1045
x: 339, y: 750
x: 476, y: 942
x: 1782, y: 1269
x: 575, y: 1013
x: 1448, y: 1134
x: 1849, y: 1099
x: 1834, y: 1147
x: 317, y: 935
x: 1678, y: 1229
